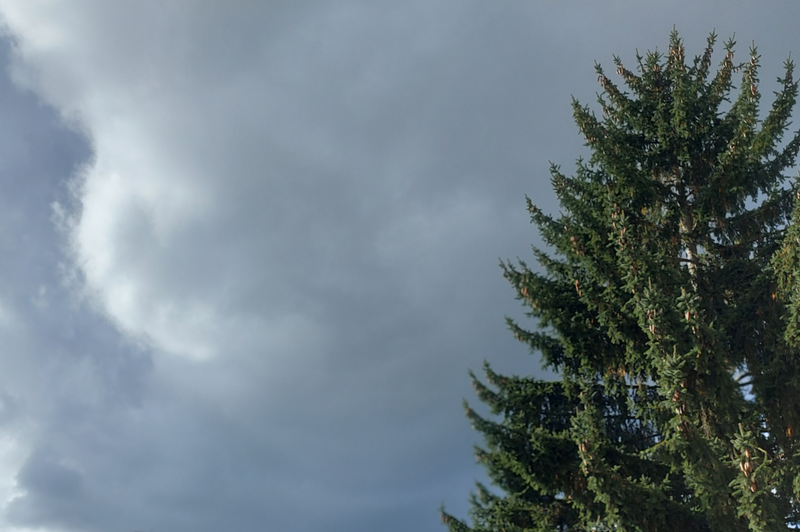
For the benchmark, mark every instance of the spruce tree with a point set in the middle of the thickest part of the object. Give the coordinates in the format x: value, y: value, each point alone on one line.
x: 668, y: 304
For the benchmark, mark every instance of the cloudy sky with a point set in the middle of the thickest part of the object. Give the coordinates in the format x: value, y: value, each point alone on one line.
x: 248, y: 250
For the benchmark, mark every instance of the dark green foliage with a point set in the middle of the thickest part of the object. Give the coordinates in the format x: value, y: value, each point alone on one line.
x: 670, y: 308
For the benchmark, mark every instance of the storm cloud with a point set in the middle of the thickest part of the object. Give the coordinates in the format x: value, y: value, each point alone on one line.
x: 250, y: 249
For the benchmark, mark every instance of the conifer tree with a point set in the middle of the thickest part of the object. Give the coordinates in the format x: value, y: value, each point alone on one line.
x: 669, y: 307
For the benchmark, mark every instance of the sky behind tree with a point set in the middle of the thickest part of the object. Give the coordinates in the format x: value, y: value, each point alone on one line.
x: 249, y: 249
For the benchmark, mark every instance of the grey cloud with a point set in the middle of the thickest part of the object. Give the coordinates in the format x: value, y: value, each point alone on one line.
x: 318, y: 194
x: 45, y: 476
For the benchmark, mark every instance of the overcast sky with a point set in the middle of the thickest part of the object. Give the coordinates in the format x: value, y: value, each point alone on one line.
x: 249, y: 250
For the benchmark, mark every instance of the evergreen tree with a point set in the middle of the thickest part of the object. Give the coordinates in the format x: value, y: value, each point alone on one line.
x: 669, y: 308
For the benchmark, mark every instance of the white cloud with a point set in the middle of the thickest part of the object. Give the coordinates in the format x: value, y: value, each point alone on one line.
x: 175, y: 150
